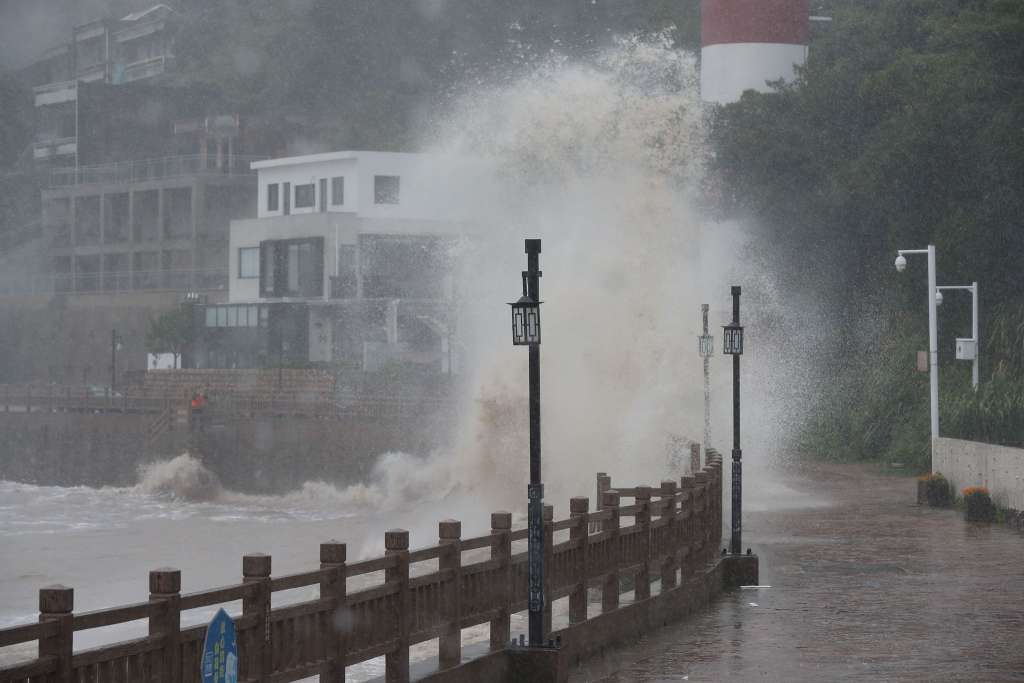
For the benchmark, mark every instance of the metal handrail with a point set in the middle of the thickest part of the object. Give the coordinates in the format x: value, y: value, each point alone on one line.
x: 174, y: 279
x: 154, y: 169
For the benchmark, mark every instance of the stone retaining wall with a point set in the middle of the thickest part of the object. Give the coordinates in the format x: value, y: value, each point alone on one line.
x: 1000, y: 469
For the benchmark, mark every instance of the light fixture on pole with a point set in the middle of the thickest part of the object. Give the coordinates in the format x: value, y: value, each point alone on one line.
x: 706, y: 348
x: 526, y: 332
x: 732, y: 345
x: 966, y: 349
x: 115, y: 346
x: 933, y: 334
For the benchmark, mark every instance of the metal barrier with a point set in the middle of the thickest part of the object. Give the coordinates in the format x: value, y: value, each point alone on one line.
x: 154, y: 169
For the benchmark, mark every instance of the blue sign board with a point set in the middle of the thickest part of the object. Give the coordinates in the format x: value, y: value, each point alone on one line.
x: 220, y: 651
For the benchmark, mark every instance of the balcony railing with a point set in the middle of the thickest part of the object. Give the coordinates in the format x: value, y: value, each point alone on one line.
x: 154, y: 169
x: 115, y: 281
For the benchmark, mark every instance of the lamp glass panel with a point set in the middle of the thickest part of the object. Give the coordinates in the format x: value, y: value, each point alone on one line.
x: 533, y: 324
x: 518, y: 327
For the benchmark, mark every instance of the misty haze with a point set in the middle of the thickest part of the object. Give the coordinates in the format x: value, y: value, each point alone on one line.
x: 457, y: 341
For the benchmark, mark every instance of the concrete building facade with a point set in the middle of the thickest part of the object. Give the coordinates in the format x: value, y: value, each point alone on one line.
x: 159, y: 224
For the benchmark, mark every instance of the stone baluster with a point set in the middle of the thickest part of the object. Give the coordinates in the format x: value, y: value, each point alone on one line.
x: 396, y: 662
x: 333, y: 556
x: 610, y: 585
x: 165, y: 595
x: 449, y: 645
x: 579, y: 508
x: 501, y: 550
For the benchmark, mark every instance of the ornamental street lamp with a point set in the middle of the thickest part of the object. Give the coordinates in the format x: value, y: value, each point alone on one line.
x: 933, y: 333
x: 526, y: 332
x: 706, y: 348
x: 732, y: 345
x: 966, y: 349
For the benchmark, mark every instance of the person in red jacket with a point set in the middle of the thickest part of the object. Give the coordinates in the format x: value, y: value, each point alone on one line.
x: 197, y: 405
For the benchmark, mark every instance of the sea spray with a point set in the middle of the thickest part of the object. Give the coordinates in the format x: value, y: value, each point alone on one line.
x: 601, y: 160
x: 183, y: 478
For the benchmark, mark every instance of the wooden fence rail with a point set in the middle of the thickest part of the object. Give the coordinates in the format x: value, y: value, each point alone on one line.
x: 676, y: 532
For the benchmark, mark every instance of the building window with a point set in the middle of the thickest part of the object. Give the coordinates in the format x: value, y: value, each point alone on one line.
x: 272, y: 197
x: 337, y: 191
x: 385, y: 189
x: 305, y: 196
x: 292, y: 268
x: 236, y: 316
x: 249, y: 262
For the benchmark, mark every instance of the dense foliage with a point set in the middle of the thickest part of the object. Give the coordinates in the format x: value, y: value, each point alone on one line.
x: 905, y: 128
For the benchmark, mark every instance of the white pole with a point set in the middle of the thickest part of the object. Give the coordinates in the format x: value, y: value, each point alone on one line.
x: 933, y: 351
x: 707, y: 386
x: 974, y: 331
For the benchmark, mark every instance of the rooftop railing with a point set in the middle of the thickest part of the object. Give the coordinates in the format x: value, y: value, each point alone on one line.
x: 154, y: 169
x: 114, y: 281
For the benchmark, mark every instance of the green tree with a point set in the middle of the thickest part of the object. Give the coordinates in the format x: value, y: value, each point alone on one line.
x: 902, y: 129
x: 171, y: 332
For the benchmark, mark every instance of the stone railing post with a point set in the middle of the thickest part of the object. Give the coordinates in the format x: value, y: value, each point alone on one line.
x: 604, y: 483
x: 642, y: 580
x: 256, y: 570
x: 56, y: 603
x: 694, y: 458
x: 670, y: 534
x: 449, y: 644
x: 704, y: 551
x: 715, y: 499
x: 549, y: 563
x: 579, y: 509
x: 501, y: 550
x: 687, y: 535
x: 610, y: 585
x: 333, y: 556
x: 396, y: 662
x: 165, y: 596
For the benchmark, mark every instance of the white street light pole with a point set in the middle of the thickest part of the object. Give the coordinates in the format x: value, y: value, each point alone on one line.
x: 933, y: 332
x: 973, y: 289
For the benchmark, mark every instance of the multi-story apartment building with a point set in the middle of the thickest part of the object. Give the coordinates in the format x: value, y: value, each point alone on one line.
x: 135, y: 48
x: 348, y: 262
x: 154, y: 224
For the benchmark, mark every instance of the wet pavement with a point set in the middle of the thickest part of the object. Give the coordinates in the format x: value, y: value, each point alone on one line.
x: 865, y: 585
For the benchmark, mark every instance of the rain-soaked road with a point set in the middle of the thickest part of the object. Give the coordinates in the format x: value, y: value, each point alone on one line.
x: 869, y: 587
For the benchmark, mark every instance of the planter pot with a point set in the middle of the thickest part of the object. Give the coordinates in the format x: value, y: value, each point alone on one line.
x: 980, y: 509
x: 922, y: 492
x: 938, y: 493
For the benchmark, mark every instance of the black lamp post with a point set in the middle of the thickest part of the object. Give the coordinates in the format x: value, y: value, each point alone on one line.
x: 732, y: 345
x: 526, y: 332
x: 115, y: 345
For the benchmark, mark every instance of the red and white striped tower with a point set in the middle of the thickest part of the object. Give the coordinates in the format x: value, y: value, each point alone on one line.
x: 745, y: 43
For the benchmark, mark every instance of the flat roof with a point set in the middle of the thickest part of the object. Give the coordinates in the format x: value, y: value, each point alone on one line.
x: 326, y: 156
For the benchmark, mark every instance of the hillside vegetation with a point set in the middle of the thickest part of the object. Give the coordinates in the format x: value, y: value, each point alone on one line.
x: 906, y: 128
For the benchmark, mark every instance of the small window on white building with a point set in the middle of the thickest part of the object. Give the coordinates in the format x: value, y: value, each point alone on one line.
x: 272, y: 197
x: 337, y: 191
x: 248, y: 262
x: 385, y: 189
x: 305, y: 196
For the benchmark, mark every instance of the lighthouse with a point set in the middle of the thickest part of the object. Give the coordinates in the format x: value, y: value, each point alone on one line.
x: 746, y: 43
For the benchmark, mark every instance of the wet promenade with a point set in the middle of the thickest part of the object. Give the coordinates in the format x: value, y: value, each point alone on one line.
x: 864, y: 586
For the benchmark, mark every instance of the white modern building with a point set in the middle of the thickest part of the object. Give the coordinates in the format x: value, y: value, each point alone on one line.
x: 348, y: 262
